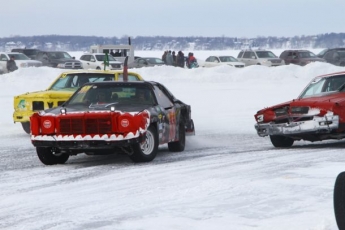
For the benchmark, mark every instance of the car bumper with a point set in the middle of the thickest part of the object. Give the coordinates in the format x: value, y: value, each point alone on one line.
x: 23, y: 116
x: 316, y: 125
x: 87, y: 145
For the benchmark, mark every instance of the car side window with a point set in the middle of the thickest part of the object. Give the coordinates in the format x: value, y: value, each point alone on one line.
x: 240, y: 54
x: 87, y: 57
x: 3, y: 57
x: 212, y: 59
x: 247, y: 55
x: 329, y: 55
x: 142, y: 61
x: 162, y: 98
x: 287, y: 55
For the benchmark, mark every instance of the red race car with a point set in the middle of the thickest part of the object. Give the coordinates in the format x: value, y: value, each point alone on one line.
x: 110, y: 117
x: 317, y: 114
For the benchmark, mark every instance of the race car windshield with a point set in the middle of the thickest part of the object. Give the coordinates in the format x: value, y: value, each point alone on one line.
x: 324, y: 85
x: 117, y: 94
x: 75, y: 80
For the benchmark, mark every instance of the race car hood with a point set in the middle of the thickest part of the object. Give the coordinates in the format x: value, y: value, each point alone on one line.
x: 100, y: 107
x: 47, y: 94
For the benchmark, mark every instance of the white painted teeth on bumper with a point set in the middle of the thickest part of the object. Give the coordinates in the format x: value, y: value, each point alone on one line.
x: 317, y: 125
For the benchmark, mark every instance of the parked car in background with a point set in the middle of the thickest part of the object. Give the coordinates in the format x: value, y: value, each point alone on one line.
x: 213, y: 61
x: 299, y: 57
x: 335, y: 56
x: 317, y: 114
x: 60, y: 90
x: 58, y: 59
x: 22, y: 61
x: 259, y: 57
x: 31, y: 53
x: 132, y: 118
x: 96, y: 61
x: 146, y: 62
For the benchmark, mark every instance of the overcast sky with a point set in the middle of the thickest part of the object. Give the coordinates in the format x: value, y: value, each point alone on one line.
x: 117, y: 18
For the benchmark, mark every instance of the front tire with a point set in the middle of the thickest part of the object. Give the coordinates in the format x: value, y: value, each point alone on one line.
x: 339, y: 200
x: 146, y: 150
x: 281, y: 141
x: 178, y: 146
x: 47, y: 156
x: 26, y: 127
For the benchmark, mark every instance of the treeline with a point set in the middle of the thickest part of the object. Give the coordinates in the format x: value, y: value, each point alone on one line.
x: 83, y: 43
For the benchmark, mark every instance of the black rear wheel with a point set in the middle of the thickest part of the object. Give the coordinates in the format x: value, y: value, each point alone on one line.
x: 339, y: 200
x: 178, y: 146
x: 26, y: 127
x: 281, y: 141
x: 146, y: 150
x: 48, y: 157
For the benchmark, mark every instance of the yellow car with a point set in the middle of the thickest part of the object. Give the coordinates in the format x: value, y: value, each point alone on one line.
x: 61, y: 90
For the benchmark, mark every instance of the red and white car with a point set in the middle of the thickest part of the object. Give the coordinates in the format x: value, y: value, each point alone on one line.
x: 317, y: 114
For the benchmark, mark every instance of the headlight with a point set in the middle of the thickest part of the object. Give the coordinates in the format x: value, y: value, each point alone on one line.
x: 300, y: 110
x: 61, y: 65
x: 260, y: 118
x: 281, y: 111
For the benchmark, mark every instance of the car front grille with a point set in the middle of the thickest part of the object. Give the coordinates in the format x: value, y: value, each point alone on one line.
x: 73, y: 65
x: 37, y: 105
x: 34, y: 64
x: 85, y: 126
x: 116, y: 66
x: 239, y: 66
x: 276, y: 61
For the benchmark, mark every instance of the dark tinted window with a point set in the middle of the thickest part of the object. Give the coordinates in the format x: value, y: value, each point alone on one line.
x: 240, y: 54
x: 162, y: 98
x: 248, y: 54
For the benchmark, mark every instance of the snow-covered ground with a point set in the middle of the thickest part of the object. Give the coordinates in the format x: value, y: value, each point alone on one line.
x: 227, y: 178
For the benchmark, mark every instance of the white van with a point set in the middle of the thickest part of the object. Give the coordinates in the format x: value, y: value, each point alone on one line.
x: 119, y: 52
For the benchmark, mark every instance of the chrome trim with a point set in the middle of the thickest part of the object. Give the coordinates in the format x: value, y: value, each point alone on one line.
x: 311, y: 126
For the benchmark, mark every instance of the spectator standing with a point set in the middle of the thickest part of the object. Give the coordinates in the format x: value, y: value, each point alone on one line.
x: 180, y: 59
x: 164, y: 57
x: 169, y: 58
x: 174, y: 58
x: 191, y: 61
x: 11, y: 65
